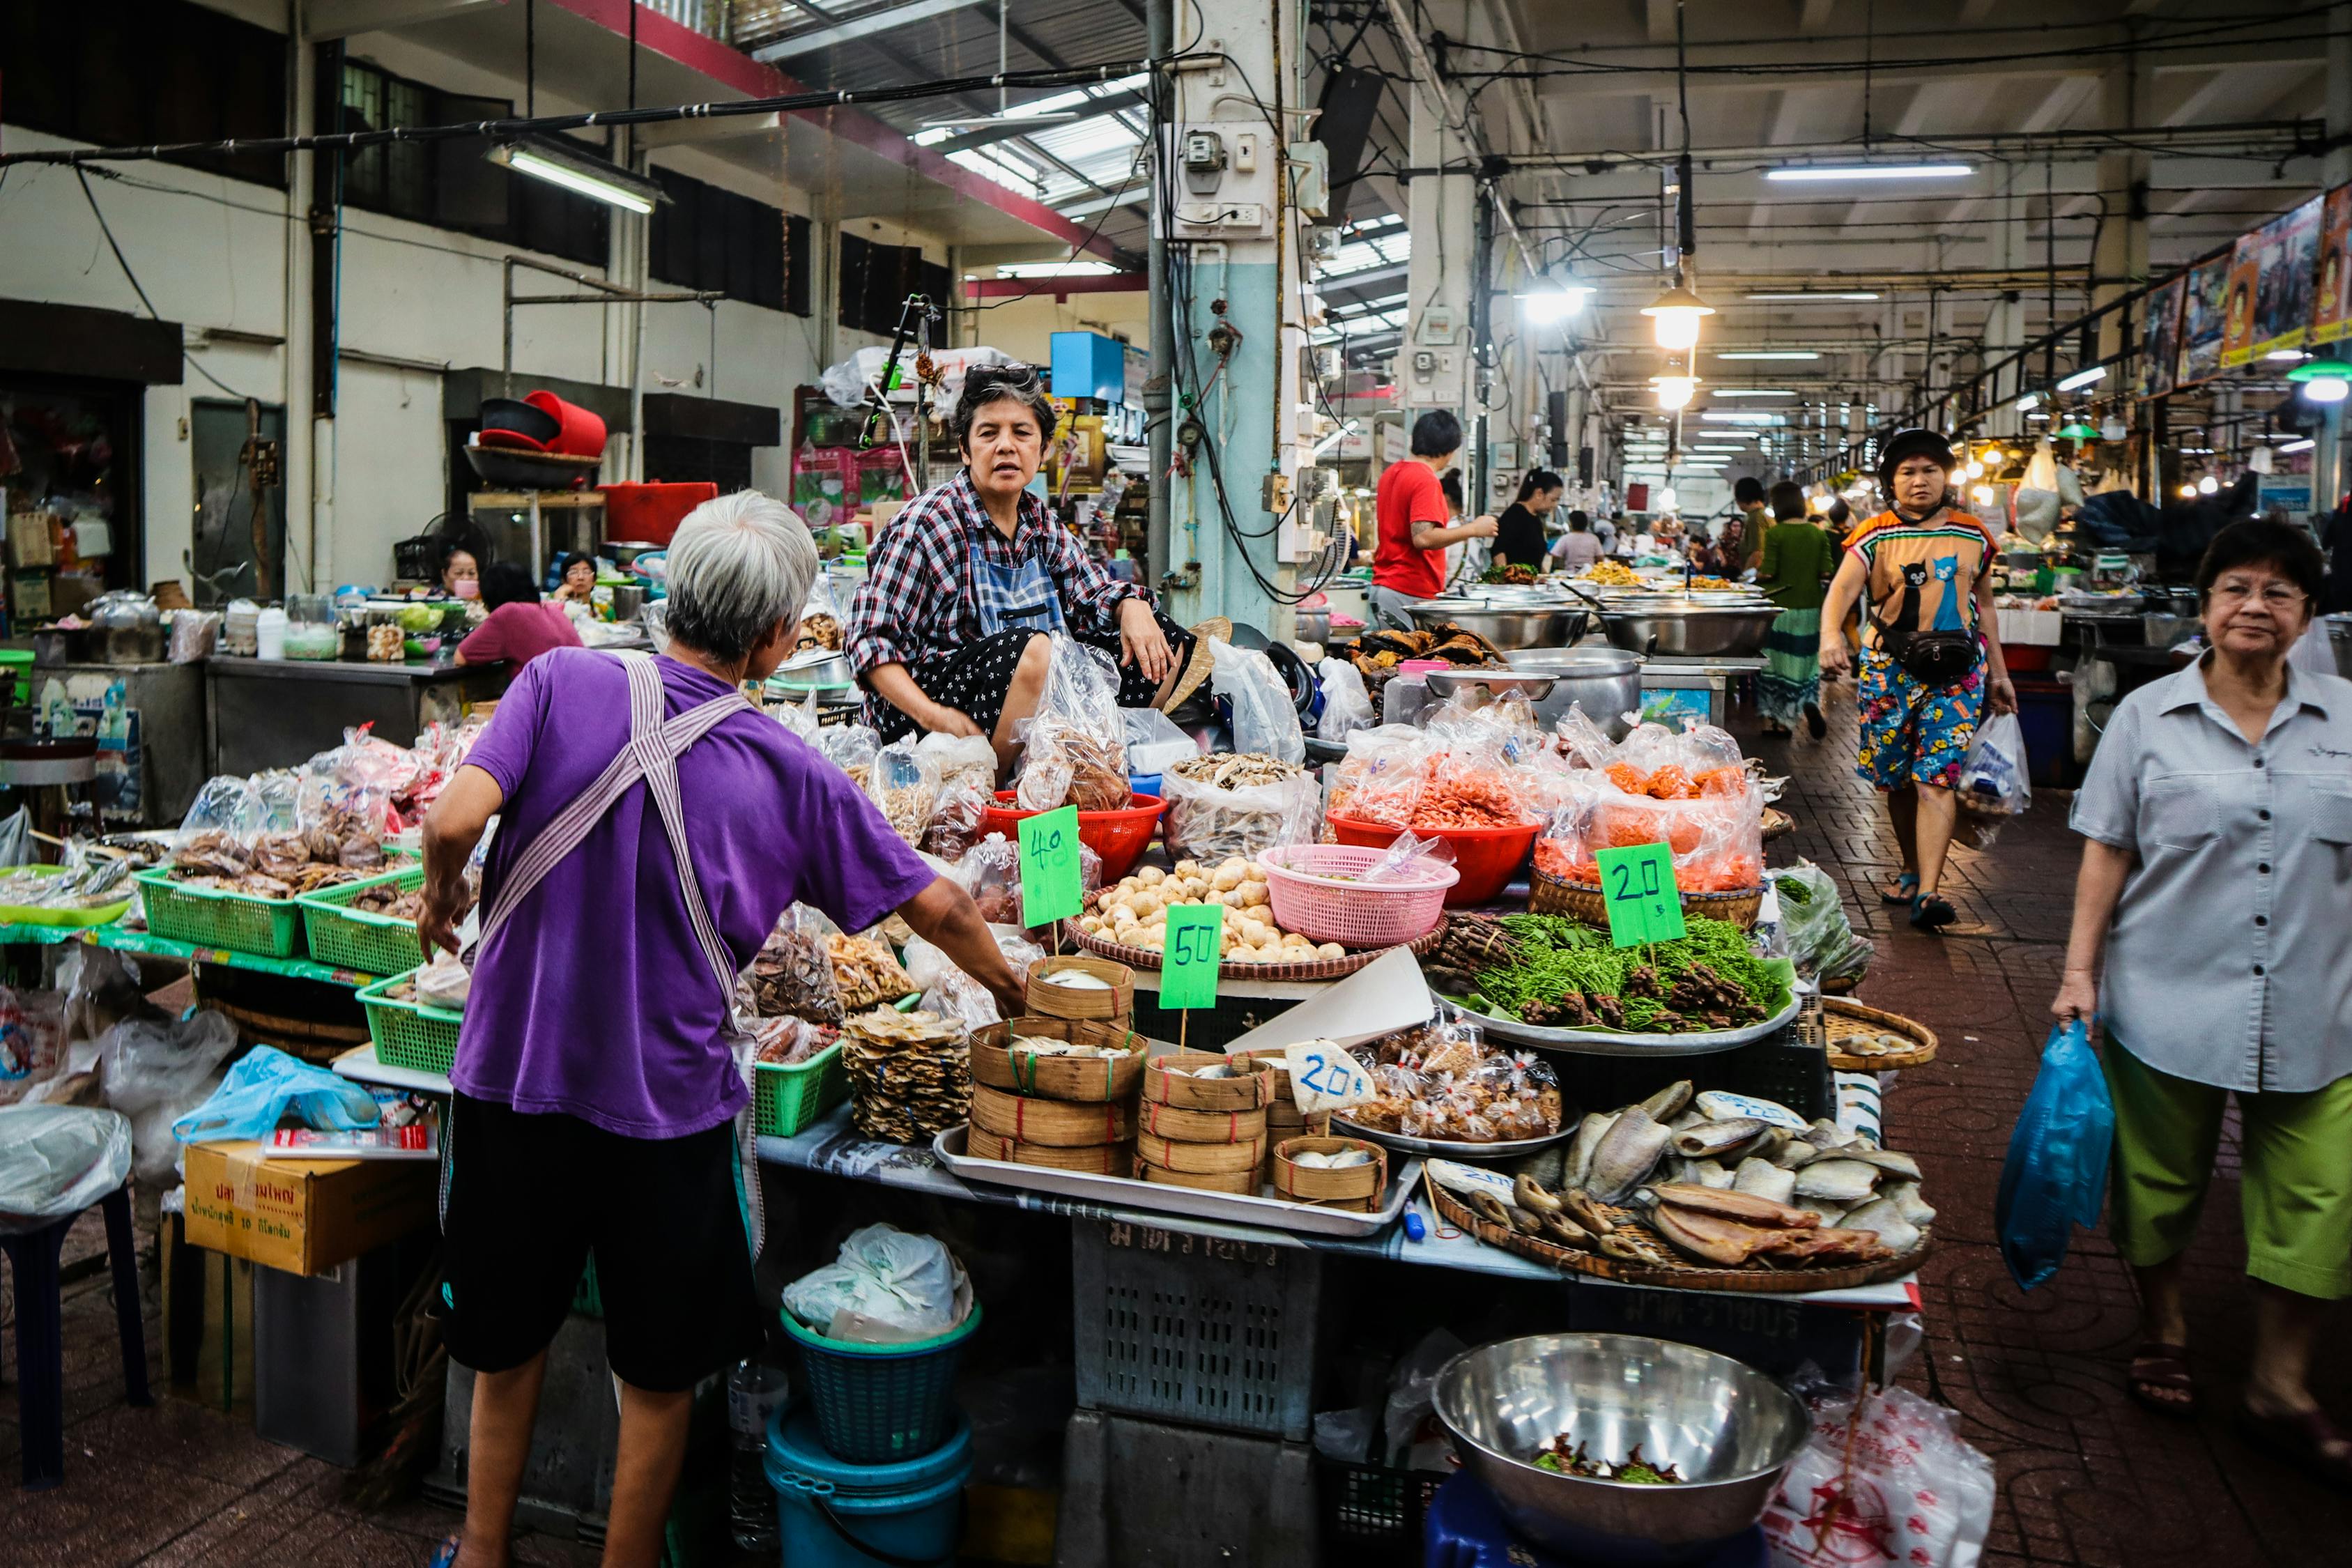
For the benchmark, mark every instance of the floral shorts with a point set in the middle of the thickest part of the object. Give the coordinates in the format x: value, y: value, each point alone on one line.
x: 1913, y: 733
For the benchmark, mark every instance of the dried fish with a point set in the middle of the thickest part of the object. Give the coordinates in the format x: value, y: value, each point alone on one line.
x: 1838, y: 1181
x: 1884, y: 1218
x: 1577, y: 1166
x: 1763, y: 1179
x: 1627, y: 1155
x: 1712, y: 1139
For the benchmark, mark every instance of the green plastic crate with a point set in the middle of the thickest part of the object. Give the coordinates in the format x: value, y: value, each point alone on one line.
x: 357, y: 938
x: 408, y: 1034
x: 209, y: 918
x: 792, y: 1098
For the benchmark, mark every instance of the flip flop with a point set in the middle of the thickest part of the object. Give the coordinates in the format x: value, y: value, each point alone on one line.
x: 1931, y: 912
x: 444, y: 1554
x: 1906, y: 886
x: 2307, y: 1440
x: 2157, y: 1368
x: 1815, y: 724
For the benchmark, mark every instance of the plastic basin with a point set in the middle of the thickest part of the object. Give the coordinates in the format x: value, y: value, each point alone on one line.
x: 1119, y: 837
x: 1487, y: 857
x: 906, y: 1512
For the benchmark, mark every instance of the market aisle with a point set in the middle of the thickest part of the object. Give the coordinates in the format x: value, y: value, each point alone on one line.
x: 2086, y: 1477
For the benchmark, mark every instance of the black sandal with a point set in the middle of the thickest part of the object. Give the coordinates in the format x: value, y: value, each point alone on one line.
x: 2157, y: 1369
x: 1931, y: 911
x: 1906, y: 886
x: 1815, y: 724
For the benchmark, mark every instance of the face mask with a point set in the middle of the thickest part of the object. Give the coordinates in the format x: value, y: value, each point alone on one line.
x: 466, y: 588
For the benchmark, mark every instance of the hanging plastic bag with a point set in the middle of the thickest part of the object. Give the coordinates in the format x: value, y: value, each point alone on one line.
x: 2056, y: 1172
x: 155, y: 1073
x: 1264, y: 719
x: 1993, y: 779
x: 1074, y: 748
x: 1583, y: 742
x: 886, y: 1285
x: 904, y: 785
x: 263, y: 1085
x: 16, y: 838
x: 1347, y: 705
x: 1889, y: 1486
x: 57, y: 1161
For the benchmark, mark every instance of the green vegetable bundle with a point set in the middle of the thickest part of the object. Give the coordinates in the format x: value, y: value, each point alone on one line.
x: 1568, y: 975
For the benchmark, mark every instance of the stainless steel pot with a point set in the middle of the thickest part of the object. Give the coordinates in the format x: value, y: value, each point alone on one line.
x: 628, y: 598
x: 1507, y: 627
x: 1606, y: 682
x: 1690, y: 631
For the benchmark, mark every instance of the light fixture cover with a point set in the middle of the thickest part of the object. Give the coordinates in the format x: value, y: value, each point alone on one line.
x: 577, y: 171
x: 1676, y: 312
x: 2077, y: 431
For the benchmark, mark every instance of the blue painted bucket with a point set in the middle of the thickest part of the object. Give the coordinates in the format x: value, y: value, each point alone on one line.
x: 827, y: 1510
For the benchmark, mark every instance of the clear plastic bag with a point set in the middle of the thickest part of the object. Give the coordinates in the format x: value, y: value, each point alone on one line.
x: 155, y: 1073
x: 1814, y: 931
x: 791, y: 976
x: 226, y: 803
x: 800, y: 717
x: 1264, y: 719
x: 967, y: 770
x: 1347, y: 705
x: 886, y: 1285
x: 1442, y: 1081
x: 1074, y: 748
x: 1154, y: 743
x: 957, y: 997
x: 1273, y: 802
x: 1887, y: 1485
x: 444, y: 983
x: 1407, y: 857
x: 1581, y: 742
x: 990, y: 872
x: 1993, y: 778
x: 850, y: 748
x: 1716, y: 840
x: 1382, y: 777
x: 821, y: 616
x: 904, y: 785
x: 57, y: 1161
x: 32, y: 1040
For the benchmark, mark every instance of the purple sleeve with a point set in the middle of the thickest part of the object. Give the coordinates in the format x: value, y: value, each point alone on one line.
x: 505, y: 750
x: 858, y: 870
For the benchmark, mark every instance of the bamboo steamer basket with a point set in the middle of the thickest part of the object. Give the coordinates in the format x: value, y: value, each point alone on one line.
x: 1358, y: 1188
x: 1068, y: 1002
x: 1283, y: 1121
x: 1251, y: 1091
x: 1243, y: 1184
x: 1086, y: 1078
x: 1199, y: 1159
x: 1094, y: 1159
x: 1276, y: 1062
x: 1060, y: 1123
x: 1183, y: 1126
x: 1550, y: 895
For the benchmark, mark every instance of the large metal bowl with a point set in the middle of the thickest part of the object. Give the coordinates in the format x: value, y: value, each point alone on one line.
x: 1606, y: 682
x: 1507, y: 627
x: 1729, y: 1429
x: 1690, y: 631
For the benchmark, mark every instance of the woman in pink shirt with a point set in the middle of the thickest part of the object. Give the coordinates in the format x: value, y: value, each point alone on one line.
x: 520, y: 627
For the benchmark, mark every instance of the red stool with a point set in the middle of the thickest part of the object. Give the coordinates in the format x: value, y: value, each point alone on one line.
x: 40, y: 1333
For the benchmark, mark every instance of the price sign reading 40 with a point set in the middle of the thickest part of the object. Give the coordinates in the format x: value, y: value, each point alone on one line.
x: 1638, y: 885
x: 1049, y: 867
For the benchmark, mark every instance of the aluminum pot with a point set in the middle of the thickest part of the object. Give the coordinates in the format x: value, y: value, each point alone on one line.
x: 1690, y: 631
x: 1507, y: 627
x: 1606, y: 682
x: 1726, y: 1429
x: 628, y: 598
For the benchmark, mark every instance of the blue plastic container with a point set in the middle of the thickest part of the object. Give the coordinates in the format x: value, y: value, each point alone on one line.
x: 1144, y: 783
x: 912, y: 1511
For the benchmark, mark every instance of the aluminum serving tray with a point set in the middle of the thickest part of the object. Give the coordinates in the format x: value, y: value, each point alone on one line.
x: 1120, y: 1191
x: 1469, y: 1153
x: 1598, y: 1043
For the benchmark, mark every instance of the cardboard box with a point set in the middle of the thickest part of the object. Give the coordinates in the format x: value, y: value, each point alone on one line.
x: 303, y: 1214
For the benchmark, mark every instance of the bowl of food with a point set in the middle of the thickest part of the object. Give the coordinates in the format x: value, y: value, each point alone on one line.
x: 1616, y: 1448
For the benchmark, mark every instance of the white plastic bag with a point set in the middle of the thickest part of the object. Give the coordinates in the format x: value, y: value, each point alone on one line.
x: 1347, y: 706
x: 1906, y: 1493
x: 887, y: 1286
x: 57, y: 1159
x: 1993, y: 785
x: 1154, y: 743
x: 1264, y: 719
x: 156, y: 1073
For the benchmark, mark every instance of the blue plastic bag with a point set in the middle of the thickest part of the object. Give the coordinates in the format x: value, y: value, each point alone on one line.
x: 2055, y: 1177
x: 261, y: 1086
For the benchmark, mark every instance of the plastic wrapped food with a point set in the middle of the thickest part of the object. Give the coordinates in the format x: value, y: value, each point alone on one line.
x: 1440, y: 1081
x: 819, y: 617
x: 1818, y: 937
x: 850, y: 748
x: 1347, y: 705
x: 1716, y: 840
x: 1220, y: 806
x: 865, y: 971
x: 1382, y: 777
x: 967, y: 786
x: 1074, y: 748
x: 990, y: 872
x: 792, y: 975
x: 1265, y: 718
x: 905, y: 784
x: 788, y: 1041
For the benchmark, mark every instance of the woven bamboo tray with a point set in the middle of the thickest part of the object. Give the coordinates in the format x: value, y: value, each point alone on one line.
x: 1199, y: 1159
x: 1663, y: 1267
x: 1244, y: 1184
x: 1148, y: 958
x: 1842, y: 1020
x: 1061, y: 1124
x: 1090, y: 1079
x: 1778, y: 824
x: 1199, y: 1126
x: 1250, y: 1091
x: 1550, y: 895
x: 1358, y: 1187
x: 1094, y: 1160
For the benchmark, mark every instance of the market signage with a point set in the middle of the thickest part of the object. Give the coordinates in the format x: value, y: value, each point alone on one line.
x: 1050, y: 889
x: 2270, y: 298
x: 2331, y: 307
x: 1637, y: 884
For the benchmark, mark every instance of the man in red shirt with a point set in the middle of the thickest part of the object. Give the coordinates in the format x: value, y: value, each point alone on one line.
x: 1410, y: 507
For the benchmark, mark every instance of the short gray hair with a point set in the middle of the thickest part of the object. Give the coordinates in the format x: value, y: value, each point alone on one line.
x: 737, y: 566
x: 989, y: 384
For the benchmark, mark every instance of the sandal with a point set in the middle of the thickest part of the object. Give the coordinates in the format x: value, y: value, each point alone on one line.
x: 2160, y: 1381
x: 1931, y: 912
x: 444, y: 1554
x: 2306, y: 1439
x: 1906, y: 886
x: 1815, y: 724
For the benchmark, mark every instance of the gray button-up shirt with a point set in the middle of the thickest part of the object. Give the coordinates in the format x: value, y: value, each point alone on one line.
x: 2230, y: 962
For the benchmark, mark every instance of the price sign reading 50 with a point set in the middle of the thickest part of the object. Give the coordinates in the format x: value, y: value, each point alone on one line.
x: 1323, y: 1076
x: 1188, y: 963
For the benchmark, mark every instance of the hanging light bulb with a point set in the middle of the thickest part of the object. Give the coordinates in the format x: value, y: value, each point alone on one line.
x: 2189, y: 491
x: 1975, y: 469
x: 1676, y: 314
x: 1665, y: 500
x: 1981, y: 495
x: 1674, y: 391
x: 2323, y: 380
x: 2208, y: 485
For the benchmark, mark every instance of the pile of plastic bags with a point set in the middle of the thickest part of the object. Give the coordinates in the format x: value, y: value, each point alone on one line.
x: 1688, y: 790
x: 885, y: 1288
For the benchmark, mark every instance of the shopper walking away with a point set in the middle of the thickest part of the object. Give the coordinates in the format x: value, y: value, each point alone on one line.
x: 1742, y: 539
x: 1929, y: 656
x: 521, y: 625
x: 601, y: 1068
x: 1410, y: 560
x: 1519, y: 532
x: 1795, y: 565
x: 2217, y: 821
x: 1579, y: 547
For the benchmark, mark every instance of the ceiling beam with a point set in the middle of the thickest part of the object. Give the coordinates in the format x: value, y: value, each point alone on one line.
x: 1660, y: 21
x: 1814, y: 18
x: 326, y: 19
x: 794, y: 45
x: 1111, y: 103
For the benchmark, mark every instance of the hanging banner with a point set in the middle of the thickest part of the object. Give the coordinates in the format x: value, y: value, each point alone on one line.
x: 2270, y: 286
x: 2331, y: 307
x: 2159, y: 361
x: 2203, y: 321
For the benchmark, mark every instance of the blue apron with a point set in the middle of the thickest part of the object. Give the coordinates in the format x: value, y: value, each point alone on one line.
x: 1020, y: 598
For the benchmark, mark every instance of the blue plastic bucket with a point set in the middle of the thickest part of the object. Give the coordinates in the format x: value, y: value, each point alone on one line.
x: 910, y: 1511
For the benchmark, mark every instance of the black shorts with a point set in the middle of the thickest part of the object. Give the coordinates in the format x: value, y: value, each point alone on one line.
x: 525, y: 1199
x: 974, y: 680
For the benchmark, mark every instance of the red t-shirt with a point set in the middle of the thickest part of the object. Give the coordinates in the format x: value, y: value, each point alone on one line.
x: 519, y: 632
x: 1408, y: 494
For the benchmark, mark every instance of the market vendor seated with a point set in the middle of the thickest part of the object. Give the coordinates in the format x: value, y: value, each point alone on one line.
x: 947, y: 631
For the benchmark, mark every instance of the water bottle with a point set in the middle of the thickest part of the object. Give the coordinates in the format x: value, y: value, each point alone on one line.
x: 754, y: 1390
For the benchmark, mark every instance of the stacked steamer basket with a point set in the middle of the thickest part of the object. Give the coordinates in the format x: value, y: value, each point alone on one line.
x: 1331, y: 1173
x: 1203, y: 1122
x: 909, y: 1073
x: 1059, y: 1092
x: 1283, y: 1117
x: 1084, y: 989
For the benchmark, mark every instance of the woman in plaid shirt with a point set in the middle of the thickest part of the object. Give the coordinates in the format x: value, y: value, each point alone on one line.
x: 947, y: 631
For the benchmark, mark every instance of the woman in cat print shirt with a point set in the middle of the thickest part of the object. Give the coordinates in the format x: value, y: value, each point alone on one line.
x: 1930, y: 656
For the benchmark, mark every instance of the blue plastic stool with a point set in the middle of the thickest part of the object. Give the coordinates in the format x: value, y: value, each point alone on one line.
x: 40, y: 1333
x: 1465, y: 1529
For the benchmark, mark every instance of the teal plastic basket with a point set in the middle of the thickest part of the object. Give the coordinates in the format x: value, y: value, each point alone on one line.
x: 267, y: 927
x: 880, y: 1405
x: 792, y: 1098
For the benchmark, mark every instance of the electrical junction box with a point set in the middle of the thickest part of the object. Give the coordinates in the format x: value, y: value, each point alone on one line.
x: 1088, y: 364
x: 1229, y: 172
x: 1432, y: 377
x: 1224, y: 217
x: 1437, y: 324
x: 1311, y: 182
x: 1203, y: 162
x: 1503, y: 454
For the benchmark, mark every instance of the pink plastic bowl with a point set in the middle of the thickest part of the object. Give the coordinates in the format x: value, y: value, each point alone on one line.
x: 1305, y: 883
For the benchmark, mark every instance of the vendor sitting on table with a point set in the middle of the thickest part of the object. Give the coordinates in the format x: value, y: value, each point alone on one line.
x: 600, y: 1082
x: 948, y: 630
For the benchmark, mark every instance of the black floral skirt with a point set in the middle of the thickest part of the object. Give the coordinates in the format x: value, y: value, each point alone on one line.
x: 973, y: 681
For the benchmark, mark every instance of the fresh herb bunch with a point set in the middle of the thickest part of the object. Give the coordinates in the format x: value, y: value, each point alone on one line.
x: 1568, y: 972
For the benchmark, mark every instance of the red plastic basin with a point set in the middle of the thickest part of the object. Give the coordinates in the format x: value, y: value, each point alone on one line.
x: 1119, y: 837
x: 1487, y: 857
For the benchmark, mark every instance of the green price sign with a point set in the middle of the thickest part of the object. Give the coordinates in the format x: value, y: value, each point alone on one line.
x: 1188, y: 966
x: 1638, y: 884
x: 1049, y: 867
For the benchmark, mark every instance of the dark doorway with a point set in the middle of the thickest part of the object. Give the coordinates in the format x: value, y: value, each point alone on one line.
x: 239, y: 549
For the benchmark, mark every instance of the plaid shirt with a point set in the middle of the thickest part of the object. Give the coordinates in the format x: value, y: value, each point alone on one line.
x: 918, y: 604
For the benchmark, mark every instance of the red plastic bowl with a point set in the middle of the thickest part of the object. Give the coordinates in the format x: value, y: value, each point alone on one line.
x: 1119, y: 837
x: 1487, y: 857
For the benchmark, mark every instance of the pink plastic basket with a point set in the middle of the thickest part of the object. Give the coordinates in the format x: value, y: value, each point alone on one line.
x: 1309, y: 886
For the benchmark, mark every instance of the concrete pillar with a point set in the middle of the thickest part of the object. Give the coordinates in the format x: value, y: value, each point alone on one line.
x: 1433, y: 369
x: 306, y: 499
x: 2119, y: 261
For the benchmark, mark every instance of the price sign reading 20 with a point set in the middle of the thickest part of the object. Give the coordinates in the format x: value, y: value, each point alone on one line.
x: 1637, y: 883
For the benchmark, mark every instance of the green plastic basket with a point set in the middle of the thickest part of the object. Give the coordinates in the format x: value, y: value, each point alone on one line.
x: 358, y: 938
x: 792, y: 1098
x: 881, y: 1405
x: 271, y: 928
x: 409, y: 1034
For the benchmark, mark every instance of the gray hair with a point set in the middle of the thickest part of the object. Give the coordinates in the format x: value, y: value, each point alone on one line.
x: 989, y: 384
x: 737, y: 566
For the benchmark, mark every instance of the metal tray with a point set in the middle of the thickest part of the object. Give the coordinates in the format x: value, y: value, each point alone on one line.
x: 1600, y: 1043
x: 1122, y: 1192
x: 1469, y: 1153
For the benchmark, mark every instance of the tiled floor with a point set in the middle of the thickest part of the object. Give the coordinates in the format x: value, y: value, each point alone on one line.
x: 2086, y: 1477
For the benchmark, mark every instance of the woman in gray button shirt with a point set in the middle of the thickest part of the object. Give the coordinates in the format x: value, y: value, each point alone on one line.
x: 2217, y: 815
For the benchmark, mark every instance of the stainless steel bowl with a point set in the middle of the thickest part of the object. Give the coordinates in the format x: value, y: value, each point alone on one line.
x: 819, y: 670
x: 1729, y: 1429
x: 1690, y: 631
x: 1507, y: 627
x: 1606, y: 682
x: 1446, y: 682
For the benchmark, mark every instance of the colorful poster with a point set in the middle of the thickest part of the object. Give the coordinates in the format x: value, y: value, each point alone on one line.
x: 2203, y: 321
x: 2238, y: 300
x: 2159, y: 358
x: 2274, y: 265
x: 2331, y: 307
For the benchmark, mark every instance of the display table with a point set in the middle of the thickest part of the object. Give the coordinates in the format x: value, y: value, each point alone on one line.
x: 267, y: 713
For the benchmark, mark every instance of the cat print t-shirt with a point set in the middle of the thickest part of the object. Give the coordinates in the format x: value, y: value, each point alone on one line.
x: 1922, y: 576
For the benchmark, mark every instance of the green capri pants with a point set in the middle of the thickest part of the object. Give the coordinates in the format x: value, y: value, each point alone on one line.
x: 2296, y: 1186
